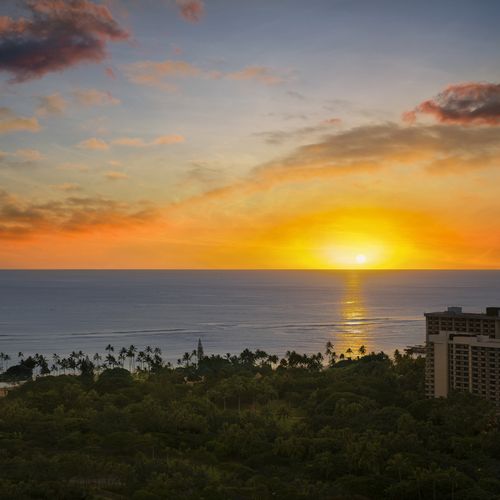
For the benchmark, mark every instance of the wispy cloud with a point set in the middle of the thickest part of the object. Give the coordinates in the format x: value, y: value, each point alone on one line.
x: 260, y: 74
x: 160, y: 73
x: 10, y: 122
x: 166, y: 74
x: 25, y: 155
x: 281, y: 136
x: 57, y: 35
x: 97, y: 144
x: 465, y: 104
x: 67, y: 187
x: 94, y: 97
x: 56, y: 104
x: 29, y: 154
x: 136, y: 142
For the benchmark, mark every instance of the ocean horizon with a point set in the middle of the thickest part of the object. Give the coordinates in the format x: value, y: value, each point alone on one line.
x: 58, y: 311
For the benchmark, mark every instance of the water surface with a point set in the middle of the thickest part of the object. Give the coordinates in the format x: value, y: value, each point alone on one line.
x: 61, y: 311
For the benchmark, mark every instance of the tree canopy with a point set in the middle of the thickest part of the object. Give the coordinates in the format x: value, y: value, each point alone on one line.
x: 247, y: 427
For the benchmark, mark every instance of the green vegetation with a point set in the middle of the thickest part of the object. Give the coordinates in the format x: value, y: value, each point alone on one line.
x: 245, y: 427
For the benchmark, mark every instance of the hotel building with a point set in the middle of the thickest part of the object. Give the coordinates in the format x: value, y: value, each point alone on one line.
x: 463, y: 353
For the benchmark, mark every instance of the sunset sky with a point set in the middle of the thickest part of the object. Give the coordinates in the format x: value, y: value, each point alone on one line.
x: 261, y: 134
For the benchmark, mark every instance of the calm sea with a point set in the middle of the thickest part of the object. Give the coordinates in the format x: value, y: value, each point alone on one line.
x: 61, y: 311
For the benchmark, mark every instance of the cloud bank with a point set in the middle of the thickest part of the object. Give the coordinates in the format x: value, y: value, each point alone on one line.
x: 21, y: 219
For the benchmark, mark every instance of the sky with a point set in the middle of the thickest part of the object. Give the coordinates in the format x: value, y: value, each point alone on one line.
x: 318, y: 134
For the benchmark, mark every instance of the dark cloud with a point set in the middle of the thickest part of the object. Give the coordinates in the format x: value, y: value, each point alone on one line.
x: 465, y: 104
x: 20, y: 218
x: 57, y: 34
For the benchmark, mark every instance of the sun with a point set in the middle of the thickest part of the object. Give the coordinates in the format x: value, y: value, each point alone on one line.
x: 360, y: 259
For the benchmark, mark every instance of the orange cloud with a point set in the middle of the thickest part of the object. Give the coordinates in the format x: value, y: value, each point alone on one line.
x: 261, y: 74
x: 168, y: 139
x: 136, y: 142
x: 94, y: 97
x: 68, y: 187
x: 115, y: 176
x: 94, y: 144
x: 163, y: 74
x: 158, y: 73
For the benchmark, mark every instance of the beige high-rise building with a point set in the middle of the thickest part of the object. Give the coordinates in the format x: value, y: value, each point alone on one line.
x: 463, y: 353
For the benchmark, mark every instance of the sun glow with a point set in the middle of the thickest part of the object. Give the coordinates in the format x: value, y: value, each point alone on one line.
x: 360, y: 259
x: 347, y: 256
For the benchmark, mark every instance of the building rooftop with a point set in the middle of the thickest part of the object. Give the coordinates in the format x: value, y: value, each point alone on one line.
x: 456, y: 312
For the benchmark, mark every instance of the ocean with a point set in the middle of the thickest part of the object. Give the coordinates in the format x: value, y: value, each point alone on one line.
x: 61, y: 311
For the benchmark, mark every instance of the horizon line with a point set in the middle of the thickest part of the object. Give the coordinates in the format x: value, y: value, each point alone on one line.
x: 241, y: 269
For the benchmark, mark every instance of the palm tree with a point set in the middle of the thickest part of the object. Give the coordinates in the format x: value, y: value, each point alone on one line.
x: 63, y: 363
x: 131, y: 354
x: 72, y: 364
x: 349, y: 352
x: 122, y: 355
x: 141, y: 357
x: 186, y: 358
x: 109, y: 348
x: 148, y: 358
x: 362, y: 350
x: 332, y: 355
x: 111, y: 361
x: 273, y: 359
x: 42, y: 363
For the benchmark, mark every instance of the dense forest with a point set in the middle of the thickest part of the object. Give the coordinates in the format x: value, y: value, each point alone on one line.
x: 242, y: 427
